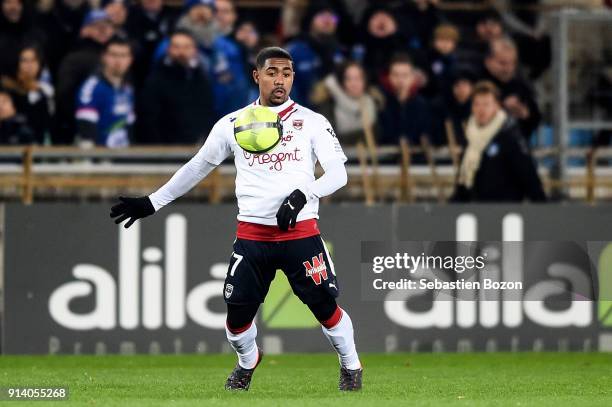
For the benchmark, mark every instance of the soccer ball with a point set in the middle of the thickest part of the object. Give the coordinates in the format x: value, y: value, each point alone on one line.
x: 258, y: 129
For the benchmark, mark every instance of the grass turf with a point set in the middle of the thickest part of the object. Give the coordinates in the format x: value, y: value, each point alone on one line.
x: 481, y: 379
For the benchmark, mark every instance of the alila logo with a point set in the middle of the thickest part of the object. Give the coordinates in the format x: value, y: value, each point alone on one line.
x: 162, y: 299
x: 316, y: 270
x: 501, y: 309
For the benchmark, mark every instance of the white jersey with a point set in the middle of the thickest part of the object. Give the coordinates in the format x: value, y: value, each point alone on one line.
x: 263, y: 181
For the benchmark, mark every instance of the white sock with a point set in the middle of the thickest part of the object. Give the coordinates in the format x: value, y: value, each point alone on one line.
x: 245, y: 346
x: 341, y: 338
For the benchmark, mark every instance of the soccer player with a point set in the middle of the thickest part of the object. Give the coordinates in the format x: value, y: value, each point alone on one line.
x: 278, y: 201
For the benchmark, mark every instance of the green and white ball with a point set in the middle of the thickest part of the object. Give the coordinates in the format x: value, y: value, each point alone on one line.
x: 258, y: 129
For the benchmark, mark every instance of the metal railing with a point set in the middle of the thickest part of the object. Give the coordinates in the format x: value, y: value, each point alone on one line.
x: 563, y: 122
x: 32, y: 172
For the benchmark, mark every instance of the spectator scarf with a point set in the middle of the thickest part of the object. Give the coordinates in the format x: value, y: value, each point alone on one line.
x: 478, y: 137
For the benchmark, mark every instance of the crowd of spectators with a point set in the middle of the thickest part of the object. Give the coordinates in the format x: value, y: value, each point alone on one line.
x: 116, y: 73
x: 123, y: 72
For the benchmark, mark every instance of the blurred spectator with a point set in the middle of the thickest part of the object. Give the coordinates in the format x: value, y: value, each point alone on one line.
x: 32, y: 97
x: 501, y: 66
x: 296, y: 16
x: 199, y: 19
x: 601, y: 94
x: 148, y: 23
x: 344, y: 99
x: 97, y: 29
x: 496, y: 165
x: 316, y: 52
x: 105, y: 106
x: 381, y: 39
x: 292, y: 13
x: 488, y: 28
x: 527, y: 27
x: 233, y: 63
x: 355, y: 9
x: 418, y: 17
x: 117, y: 11
x: 71, y: 39
x: 406, y: 113
x: 226, y: 16
x: 176, y: 106
x: 14, y: 127
x: 441, y: 60
x: 62, y: 25
x: 453, y: 112
x: 16, y: 29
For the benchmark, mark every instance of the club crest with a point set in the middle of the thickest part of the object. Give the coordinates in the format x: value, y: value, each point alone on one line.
x: 298, y: 123
x: 228, y: 290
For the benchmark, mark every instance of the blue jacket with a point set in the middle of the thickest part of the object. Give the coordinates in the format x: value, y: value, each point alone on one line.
x: 232, y: 82
x: 107, y: 111
x: 308, y: 68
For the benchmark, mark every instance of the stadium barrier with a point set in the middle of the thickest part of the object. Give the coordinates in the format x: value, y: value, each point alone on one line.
x: 376, y: 173
x: 75, y: 283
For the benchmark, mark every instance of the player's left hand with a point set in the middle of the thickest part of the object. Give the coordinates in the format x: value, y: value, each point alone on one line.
x: 288, y: 211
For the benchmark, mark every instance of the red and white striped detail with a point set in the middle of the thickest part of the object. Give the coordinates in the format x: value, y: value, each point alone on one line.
x: 332, y: 321
x: 89, y: 114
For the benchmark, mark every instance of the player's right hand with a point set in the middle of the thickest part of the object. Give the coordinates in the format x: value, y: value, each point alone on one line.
x: 132, y: 208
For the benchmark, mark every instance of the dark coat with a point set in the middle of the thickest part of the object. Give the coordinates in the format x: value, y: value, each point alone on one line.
x: 176, y: 106
x: 418, y: 25
x: 147, y: 31
x: 73, y: 71
x: 411, y: 119
x: 61, y: 25
x: 378, y: 53
x: 521, y: 89
x: 440, y: 70
x: 15, y: 131
x: 507, y: 172
x: 36, y: 111
x: 13, y: 36
x: 457, y: 114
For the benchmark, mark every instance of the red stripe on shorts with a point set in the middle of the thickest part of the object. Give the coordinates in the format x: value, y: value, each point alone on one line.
x: 270, y: 233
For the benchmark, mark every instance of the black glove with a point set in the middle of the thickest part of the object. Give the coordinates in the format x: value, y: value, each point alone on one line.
x: 288, y: 211
x: 134, y: 208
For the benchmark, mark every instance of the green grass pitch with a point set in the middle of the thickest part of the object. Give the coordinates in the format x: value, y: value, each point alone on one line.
x: 474, y: 379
